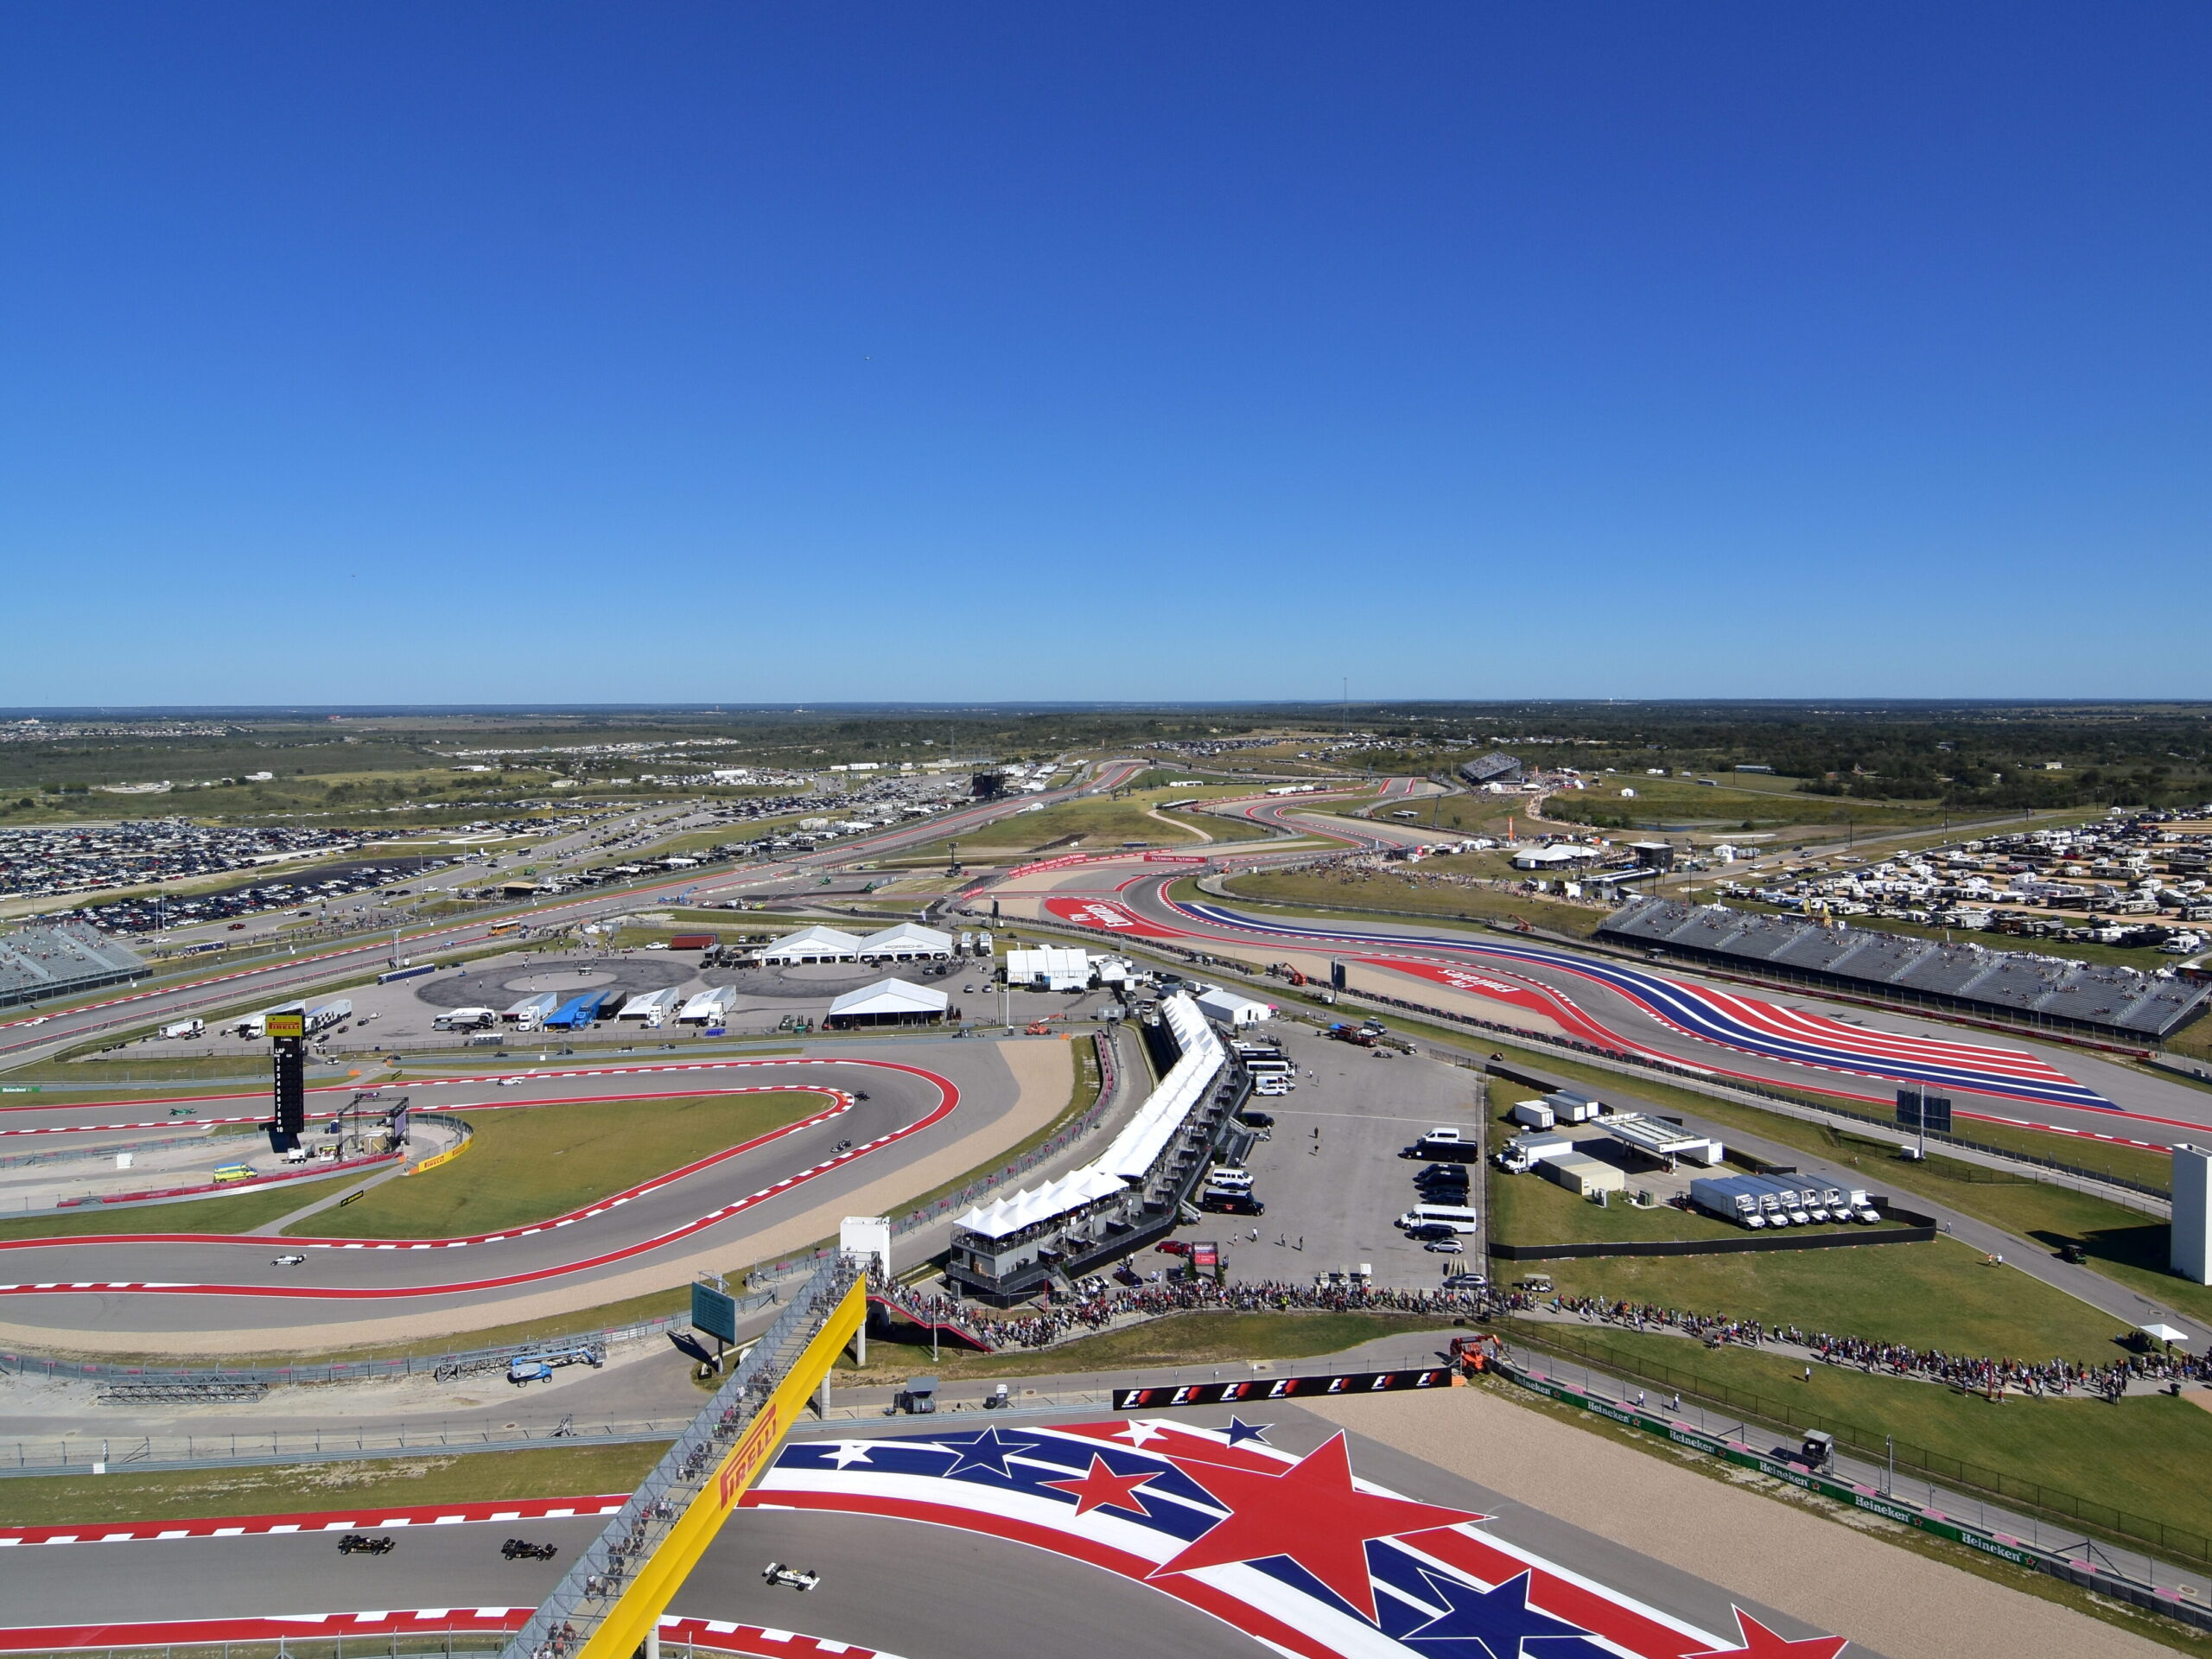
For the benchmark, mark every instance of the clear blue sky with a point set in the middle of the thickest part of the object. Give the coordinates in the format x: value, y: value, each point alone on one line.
x: 553, y: 352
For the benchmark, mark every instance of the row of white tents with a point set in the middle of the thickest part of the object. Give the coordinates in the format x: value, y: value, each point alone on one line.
x: 904, y: 942
x: 1002, y: 1238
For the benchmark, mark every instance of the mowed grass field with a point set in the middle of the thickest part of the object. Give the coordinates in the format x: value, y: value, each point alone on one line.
x: 1532, y: 1210
x: 530, y: 1164
x: 236, y: 1212
x: 1748, y: 800
x: 292, y: 1489
x: 1416, y: 892
x: 1103, y: 824
x: 1937, y: 1294
x: 2133, y: 1457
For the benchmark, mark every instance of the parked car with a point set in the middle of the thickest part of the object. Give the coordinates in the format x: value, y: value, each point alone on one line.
x: 1444, y: 1247
x: 1466, y: 1282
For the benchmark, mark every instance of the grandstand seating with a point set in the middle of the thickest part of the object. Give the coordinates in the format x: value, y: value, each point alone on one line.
x: 2115, y: 1002
x: 60, y: 959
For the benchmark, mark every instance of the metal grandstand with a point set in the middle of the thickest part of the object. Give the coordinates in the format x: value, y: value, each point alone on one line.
x: 2121, y: 1003
x: 60, y: 959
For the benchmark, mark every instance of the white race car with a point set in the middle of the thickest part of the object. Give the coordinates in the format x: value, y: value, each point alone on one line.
x: 802, y: 1581
x: 286, y: 1261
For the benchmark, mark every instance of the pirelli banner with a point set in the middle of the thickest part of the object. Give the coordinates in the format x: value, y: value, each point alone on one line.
x: 1281, y: 1387
x: 657, y: 1577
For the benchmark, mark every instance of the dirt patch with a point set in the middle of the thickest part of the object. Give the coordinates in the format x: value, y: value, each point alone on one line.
x: 1901, y: 1604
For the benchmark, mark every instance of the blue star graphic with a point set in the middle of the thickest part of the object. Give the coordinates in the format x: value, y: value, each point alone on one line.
x: 1239, y: 1430
x: 984, y: 1451
x: 1490, y: 1624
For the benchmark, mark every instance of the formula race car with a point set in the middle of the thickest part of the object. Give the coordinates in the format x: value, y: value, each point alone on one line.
x: 286, y: 1261
x: 359, y: 1543
x: 779, y: 1573
x: 521, y: 1549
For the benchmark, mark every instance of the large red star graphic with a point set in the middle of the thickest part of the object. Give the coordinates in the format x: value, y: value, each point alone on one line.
x: 1760, y: 1643
x: 1099, y: 1487
x: 1311, y: 1513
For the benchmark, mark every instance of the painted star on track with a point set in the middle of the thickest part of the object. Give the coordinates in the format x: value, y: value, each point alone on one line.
x: 1310, y: 1514
x: 1100, y: 1488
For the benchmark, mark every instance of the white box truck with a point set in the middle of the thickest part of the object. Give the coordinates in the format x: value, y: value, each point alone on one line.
x: 184, y: 1028
x: 1534, y: 1114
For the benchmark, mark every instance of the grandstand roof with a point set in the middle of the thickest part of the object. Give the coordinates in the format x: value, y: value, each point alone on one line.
x: 2122, y: 1000
x: 52, y: 959
x: 1491, y: 769
x: 1135, y: 1150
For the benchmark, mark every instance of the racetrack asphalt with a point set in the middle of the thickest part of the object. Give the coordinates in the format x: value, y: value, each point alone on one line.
x: 902, y: 1586
x: 781, y: 1194
x: 1850, y: 1052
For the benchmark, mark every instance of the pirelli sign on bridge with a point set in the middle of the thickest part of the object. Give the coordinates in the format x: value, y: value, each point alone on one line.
x: 613, y: 1596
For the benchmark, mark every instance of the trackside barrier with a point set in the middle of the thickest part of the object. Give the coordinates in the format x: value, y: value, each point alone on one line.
x: 2177, y: 1543
x: 2087, y: 1573
x: 607, y: 1602
x: 975, y: 1191
x: 444, y: 1366
x: 460, y: 1125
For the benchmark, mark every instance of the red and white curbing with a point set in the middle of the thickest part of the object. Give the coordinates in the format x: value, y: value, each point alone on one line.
x: 711, y: 1634
x: 250, y: 1526
x: 949, y: 1098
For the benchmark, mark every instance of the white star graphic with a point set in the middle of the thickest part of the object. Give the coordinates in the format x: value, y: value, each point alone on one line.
x: 849, y: 1451
x: 1141, y: 1432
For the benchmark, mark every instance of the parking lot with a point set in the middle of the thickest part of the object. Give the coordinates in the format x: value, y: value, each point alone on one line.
x: 1330, y: 1173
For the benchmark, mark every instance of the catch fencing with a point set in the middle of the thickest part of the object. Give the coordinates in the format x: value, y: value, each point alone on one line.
x: 983, y: 1185
x: 443, y: 1366
x: 2089, y: 1513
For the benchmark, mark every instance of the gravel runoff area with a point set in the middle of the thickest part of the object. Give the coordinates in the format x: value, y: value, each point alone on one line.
x: 1901, y: 1604
x: 1043, y: 1075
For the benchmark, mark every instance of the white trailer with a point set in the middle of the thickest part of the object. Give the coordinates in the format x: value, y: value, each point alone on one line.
x: 184, y: 1028
x: 465, y: 1019
x: 654, y: 1009
x: 530, y: 1013
x: 1534, y: 1114
x: 708, y: 1008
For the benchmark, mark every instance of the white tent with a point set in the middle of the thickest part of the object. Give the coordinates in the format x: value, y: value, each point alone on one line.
x: 906, y: 942
x: 1230, y: 1008
x: 1050, y: 968
x: 1556, y: 856
x: 815, y: 943
x: 887, y: 1002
